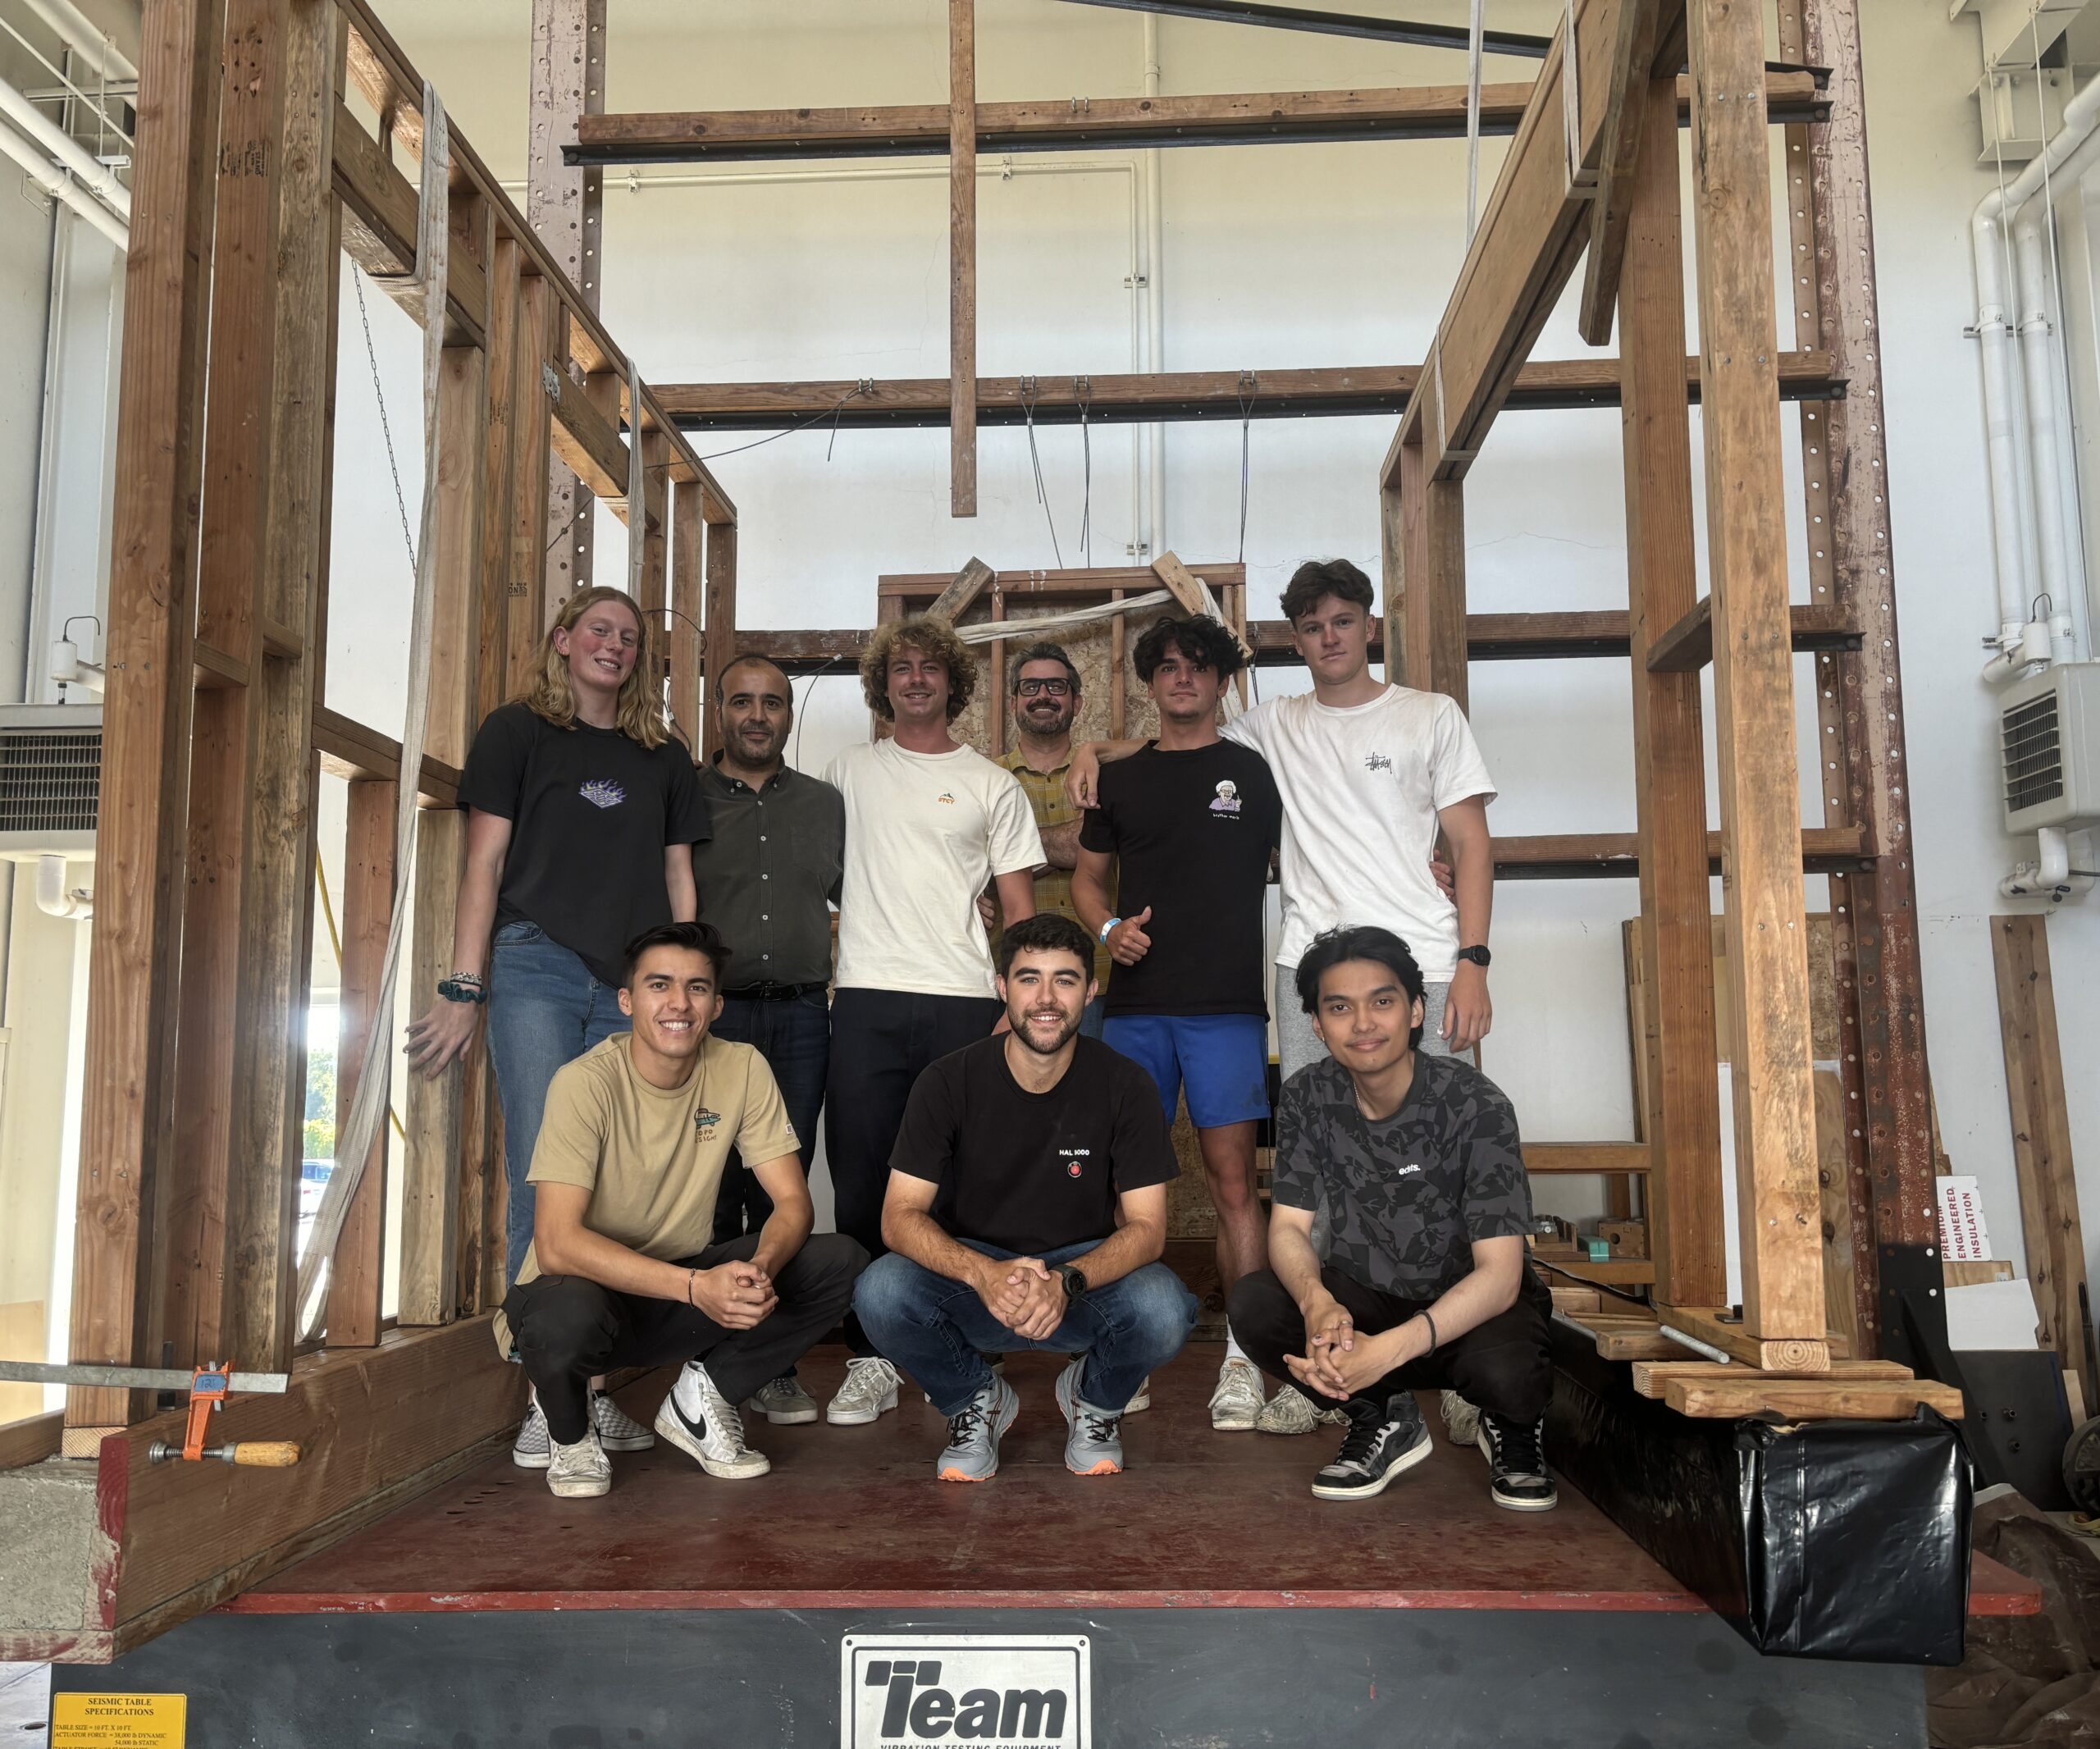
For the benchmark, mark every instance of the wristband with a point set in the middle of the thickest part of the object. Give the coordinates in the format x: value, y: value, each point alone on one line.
x: 462, y: 987
x: 1106, y: 927
x: 1432, y: 1323
x: 691, y: 1277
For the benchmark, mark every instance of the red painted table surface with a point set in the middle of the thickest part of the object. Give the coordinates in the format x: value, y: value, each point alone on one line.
x: 852, y: 1517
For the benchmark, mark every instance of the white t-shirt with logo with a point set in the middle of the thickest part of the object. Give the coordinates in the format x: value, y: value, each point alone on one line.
x: 925, y: 833
x: 1360, y: 788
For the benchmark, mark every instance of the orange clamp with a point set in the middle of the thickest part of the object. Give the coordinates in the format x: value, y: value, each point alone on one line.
x: 208, y: 1391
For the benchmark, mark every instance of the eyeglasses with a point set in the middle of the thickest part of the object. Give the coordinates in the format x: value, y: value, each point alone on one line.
x: 1051, y: 689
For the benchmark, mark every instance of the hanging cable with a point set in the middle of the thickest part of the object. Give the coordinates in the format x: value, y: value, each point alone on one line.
x: 1035, y: 461
x: 803, y: 424
x: 385, y: 428
x: 809, y: 693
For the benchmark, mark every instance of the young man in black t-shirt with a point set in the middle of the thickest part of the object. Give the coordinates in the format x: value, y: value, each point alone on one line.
x: 1016, y: 1157
x: 1194, y: 821
x: 1417, y: 1162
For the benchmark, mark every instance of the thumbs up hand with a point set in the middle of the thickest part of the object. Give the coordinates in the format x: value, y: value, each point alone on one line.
x: 1127, y: 941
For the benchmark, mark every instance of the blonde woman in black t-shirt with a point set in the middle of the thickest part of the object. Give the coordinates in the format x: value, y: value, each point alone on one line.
x: 582, y: 809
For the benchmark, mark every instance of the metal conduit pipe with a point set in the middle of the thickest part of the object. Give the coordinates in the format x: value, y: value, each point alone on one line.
x: 60, y: 186
x: 62, y: 146
x: 84, y: 37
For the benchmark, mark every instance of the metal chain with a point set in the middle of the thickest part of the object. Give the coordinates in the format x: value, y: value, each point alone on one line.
x: 386, y: 430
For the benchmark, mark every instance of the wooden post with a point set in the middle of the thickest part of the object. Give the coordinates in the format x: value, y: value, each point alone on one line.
x: 650, y: 523
x: 1875, y: 913
x: 1753, y: 685
x: 357, y: 1277
x: 962, y: 257
x: 1680, y: 1121
x: 718, y: 636
x: 1119, y: 666
x: 510, y: 392
x: 2041, y: 1136
x: 534, y: 577
x: 995, y: 705
x: 562, y: 204
x: 430, y: 1183
x: 1393, y: 568
x: 687, y: 582
x: 1433, y: 597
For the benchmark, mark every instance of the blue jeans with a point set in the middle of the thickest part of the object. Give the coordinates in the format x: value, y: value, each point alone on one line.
x: 545, y: 1009
x: 794, y: 1037
x: 1093, y: 1016
x: 939, y: 1331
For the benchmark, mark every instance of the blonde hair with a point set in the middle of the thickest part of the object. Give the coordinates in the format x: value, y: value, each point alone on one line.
x: 934, y: 637
x: 638, y: 713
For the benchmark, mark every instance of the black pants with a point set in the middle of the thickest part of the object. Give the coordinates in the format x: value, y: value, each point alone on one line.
x: 880, y: 1042
x: 1502, y: 1366
x: 794, y: 1037
x: 567, y: 1328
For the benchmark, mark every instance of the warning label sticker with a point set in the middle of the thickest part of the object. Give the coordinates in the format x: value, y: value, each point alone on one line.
x: 118, y: 1721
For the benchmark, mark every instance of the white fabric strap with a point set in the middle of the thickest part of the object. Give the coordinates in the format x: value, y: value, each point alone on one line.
x: 1473, y: 39
x: 356, y: 1131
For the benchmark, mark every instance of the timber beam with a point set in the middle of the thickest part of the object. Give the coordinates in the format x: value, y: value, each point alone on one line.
x: 1088, y: 124
x: 1143, y: 397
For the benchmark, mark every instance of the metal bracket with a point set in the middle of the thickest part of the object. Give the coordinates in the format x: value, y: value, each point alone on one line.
x: 550, y: 382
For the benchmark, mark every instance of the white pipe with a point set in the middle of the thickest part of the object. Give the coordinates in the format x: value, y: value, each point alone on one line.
x: 60, y: 186
x: 1719, y: 1355
x: 2045, y: 437
x: 83, y: 34
x: 1155, y: 306
x: 68, y: 151
x: 45, y: 534
x: 2051, y: 877
x: 53, y: 897
x: 2005, y: 432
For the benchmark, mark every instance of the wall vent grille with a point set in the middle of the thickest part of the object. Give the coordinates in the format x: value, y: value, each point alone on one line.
x: 50, y: 780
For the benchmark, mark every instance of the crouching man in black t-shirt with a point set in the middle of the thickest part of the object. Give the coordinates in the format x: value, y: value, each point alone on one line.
x: 1016, y: 1156
x: 1416, y: 1160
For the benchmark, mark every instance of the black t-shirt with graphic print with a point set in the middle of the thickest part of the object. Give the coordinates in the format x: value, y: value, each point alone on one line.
x: 1031, y: 1172
x: 590, y: 813
x: 1407, y: 1196
x: 1192, y: 831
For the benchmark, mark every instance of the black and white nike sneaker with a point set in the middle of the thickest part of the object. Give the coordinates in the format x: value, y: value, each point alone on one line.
x: 1519, y: 1478
x: 1381, y: 1443
x: 701, y: 1423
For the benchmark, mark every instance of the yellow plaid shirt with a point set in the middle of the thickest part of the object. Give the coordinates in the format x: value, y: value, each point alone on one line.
x: 1053, y: 886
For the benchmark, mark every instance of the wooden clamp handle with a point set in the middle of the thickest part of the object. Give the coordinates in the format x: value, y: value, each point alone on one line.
x: 266, y: 1454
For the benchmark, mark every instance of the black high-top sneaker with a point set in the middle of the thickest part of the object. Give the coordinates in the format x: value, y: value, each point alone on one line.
x: 1519, y: 1478
x: 1381, y: 1443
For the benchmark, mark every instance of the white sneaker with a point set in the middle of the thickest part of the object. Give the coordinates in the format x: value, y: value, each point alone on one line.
x: 871, y: 1388
x: 618, y: 1431
x: 784, y: 1403
x: 698, y: 1421
x: 1237, y: 1403
x: 1461, y: 1419
x: 1142, y: 1400
x: 532, y: 1449
x: 1291, y: 1411
x: 579, y: 1472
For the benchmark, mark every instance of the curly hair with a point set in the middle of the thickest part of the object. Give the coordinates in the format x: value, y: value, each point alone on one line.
x: 1199, y: 639
x: 639, y: 706
x: 934, y: 637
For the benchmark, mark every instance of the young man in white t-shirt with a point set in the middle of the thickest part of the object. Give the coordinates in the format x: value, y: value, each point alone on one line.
x: 930, y: 823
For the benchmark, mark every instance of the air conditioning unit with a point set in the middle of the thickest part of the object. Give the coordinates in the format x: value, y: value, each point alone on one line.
x: 2049, y: 746
x: 50, y: 780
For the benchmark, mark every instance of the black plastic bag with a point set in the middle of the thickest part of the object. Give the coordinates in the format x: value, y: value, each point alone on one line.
x: 1856, y: 1538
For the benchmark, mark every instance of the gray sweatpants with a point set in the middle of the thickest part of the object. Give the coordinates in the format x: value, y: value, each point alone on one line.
x: 1297, y: 1044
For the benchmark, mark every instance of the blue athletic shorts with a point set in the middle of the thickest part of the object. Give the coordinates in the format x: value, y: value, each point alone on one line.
x: 1221, y: 1060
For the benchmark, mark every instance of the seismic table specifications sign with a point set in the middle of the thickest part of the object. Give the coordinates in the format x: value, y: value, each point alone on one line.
x: 119, y: 1721
x: 899, y: 1691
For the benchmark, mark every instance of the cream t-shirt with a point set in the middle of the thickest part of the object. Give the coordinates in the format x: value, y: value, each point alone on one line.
x: 652, y: 1156
x: 1360, y: 788
x: 925, y: 833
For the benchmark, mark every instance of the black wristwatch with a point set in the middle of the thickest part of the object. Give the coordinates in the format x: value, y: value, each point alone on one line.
x: 1074, y: 1282
x: 1479, y: 956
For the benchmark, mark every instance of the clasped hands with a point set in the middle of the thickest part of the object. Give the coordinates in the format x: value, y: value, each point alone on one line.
x: 1339, y: 1361
x: 1025, y: 1294
x: 736, y: 1295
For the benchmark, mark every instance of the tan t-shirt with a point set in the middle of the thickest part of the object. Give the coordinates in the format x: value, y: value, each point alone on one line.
x: 652, y: 1157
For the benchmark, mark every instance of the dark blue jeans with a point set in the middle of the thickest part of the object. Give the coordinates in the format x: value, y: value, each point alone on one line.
x: 794, y: 1037
x: 545, y: 1009
x: 939, y: 1331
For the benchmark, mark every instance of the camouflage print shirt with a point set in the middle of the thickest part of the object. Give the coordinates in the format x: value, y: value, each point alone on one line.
x: 1406, y: 1196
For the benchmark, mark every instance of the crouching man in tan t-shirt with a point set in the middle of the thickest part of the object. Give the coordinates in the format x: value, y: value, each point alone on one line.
x: 621, y: 1271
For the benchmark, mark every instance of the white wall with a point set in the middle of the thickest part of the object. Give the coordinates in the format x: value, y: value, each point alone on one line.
x: 1275, y: 256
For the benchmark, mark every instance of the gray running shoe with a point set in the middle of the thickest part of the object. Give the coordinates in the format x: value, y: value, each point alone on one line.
x: 869, y: 1391
x: 1379, y: 1445
x: 1461, y: 1419
x: 1237, y: 1404
x: 784, y: 1403
x: 581, y: 1471
x: 1095, y: 1445
x: 975, y: 1431
x: 1291, y: 1411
